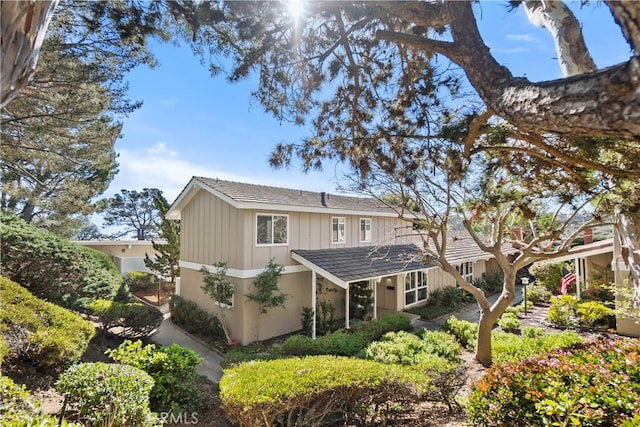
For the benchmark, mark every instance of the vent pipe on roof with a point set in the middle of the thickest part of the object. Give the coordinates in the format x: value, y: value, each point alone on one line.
x: 323, y: 199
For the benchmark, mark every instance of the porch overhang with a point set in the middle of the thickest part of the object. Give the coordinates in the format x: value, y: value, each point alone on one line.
x: 346, y: 265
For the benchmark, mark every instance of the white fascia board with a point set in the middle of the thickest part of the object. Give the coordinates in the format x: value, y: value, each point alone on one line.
x: 241, y: 274
x: 583, y: 254
x: 324, y: 273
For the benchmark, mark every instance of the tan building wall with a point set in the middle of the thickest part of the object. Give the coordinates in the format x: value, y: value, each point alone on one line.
x: 127, y: 255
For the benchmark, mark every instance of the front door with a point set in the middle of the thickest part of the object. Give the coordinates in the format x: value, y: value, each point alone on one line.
x: 387, y: 295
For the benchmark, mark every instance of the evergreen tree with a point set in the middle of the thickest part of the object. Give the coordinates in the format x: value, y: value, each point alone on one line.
x: 167, y: 258
x: 267, y: 295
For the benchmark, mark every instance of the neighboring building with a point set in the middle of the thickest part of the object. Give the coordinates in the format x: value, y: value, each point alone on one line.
x: 318, y: 237
x: 127, y: 255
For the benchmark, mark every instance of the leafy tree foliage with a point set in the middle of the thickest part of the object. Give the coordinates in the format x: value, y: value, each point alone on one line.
x: 166, y: 262
x: 59, y: 133
x: 133, y: 210
x: 267, y: 294
x: 54, y: 269
x: 221, y: 291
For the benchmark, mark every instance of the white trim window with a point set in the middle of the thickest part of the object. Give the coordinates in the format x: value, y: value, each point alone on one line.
x: 416, y: 287
x: 466, y: 270
x: 272, y: 230
x: 365, y: 229
x: 338, y: 230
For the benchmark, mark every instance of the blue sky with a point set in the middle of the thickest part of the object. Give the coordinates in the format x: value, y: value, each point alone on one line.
x: 194, y: 124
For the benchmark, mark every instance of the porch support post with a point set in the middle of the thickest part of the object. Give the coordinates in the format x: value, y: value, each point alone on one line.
x: 314, y: 286
x: 346, y: 308
x: 375, y: 296
x: 577, y: 269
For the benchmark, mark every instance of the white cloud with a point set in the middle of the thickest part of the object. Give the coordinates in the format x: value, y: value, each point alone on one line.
x: 528, y: 38
x: 161, y: 167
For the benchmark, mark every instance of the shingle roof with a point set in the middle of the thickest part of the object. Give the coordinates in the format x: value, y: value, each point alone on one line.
x: 352, y: 264
x: 253, y: 193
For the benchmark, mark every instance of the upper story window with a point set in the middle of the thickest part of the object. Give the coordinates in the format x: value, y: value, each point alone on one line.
x: 272, y: 229
x: 466, y: 271
x: 338, y: 233
x: 416, y: 287
x: 365, y: 229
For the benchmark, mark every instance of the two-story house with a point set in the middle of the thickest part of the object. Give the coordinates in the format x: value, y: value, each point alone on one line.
x: 335, y: 239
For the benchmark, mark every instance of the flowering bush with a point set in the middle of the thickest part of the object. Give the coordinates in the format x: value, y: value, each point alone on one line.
x: 591, y: 384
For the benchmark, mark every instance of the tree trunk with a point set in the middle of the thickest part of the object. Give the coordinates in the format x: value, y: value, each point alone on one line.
x: 24, y: 24
x: 488, y: 317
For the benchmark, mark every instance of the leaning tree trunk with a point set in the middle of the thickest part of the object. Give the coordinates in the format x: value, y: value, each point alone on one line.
x: 490, y: 315
x: 24, y: 24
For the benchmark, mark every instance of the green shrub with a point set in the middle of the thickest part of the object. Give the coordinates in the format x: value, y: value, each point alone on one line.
x: 548, y: 275
x: 47, y: 335
x: 306, y: 319
x: 173, y: 370
x: 195, y: 320
x: 17, y: 410
x: 312, y: 389
x: 600, y: 292
x: 466, y: 333
x: 54, y: 269
x: 241, y: 355
x: 507, y: 347
x: 388, y: 322
x: 538, y: 294
x: 107, y: 394
x: 129, y: 320
x: 532, y: 332
x: 562, y: 311
x: 591, y: 313
x: 509, y: 322
x: 141, y: 281
x: 594, y: 384
x: 409, y: 349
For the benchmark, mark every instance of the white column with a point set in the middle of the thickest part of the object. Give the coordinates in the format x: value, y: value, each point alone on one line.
x: 313, y: 303
x: 577, y: 269
x: 346, y: 307
x: 375, y: 296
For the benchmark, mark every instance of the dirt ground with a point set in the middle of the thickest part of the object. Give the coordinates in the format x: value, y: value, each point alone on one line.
x: 211, y: 415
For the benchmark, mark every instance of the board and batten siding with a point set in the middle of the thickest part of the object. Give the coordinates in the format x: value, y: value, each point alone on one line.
x: 211, y: 231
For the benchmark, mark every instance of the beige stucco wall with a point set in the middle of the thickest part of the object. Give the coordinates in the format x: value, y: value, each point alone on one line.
x: 127, y: 255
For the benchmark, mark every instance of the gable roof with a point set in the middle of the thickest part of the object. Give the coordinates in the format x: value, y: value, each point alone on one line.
x: 252, y: 196
x: 345, y: 265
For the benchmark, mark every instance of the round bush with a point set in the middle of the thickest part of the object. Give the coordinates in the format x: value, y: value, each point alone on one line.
x: 593, y: 384
x: 464, y: 332
x: 173, y: 370
x: 107, y: 394
x: 538, y: 294
x: 509, y: 322
x: 562, y: 311
x: 47, y: 335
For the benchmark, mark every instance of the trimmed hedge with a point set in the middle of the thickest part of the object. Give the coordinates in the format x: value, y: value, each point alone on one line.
x: 341, y: 343
x: 506, y: 347
x: 47, y: 335
x: 465, y: 332
x: 131, y: 320
x: 195, y: 320
x: 141, y: 281
x: 107, y: 394
x: 54, y: 269
x: 314, y: 389
x: 592, y: 384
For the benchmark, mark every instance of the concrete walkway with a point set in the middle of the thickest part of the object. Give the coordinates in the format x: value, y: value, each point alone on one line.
x: 168, y: 334
x: 469, y: 313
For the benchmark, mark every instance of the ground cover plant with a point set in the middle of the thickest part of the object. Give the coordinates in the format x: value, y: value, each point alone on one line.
x: 47, y: 335
x: 591, y: 384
